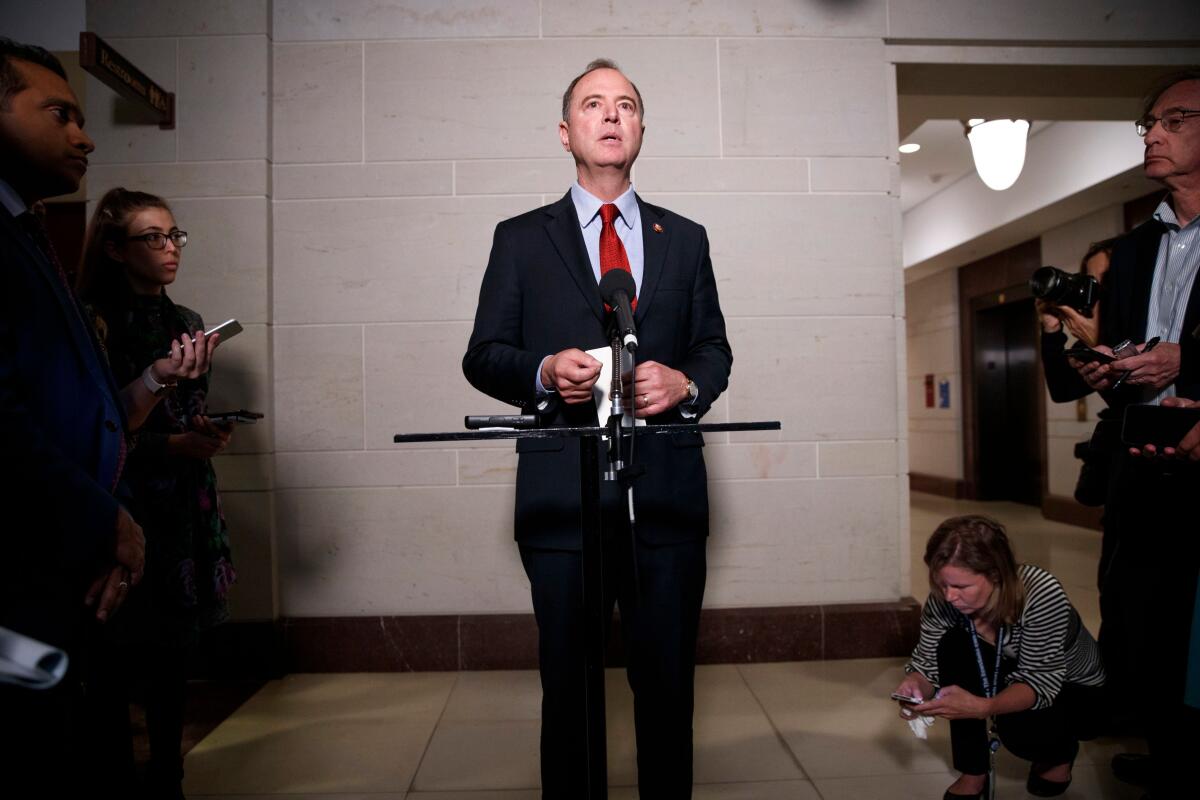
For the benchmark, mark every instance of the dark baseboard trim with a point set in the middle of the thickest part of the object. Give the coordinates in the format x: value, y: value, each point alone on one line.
x: 239, y: 651
x: 1064, y: 509
x: 936, y: 484
x: 509, y: 641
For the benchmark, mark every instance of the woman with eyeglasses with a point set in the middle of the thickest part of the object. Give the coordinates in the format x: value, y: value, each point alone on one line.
x: 132, y: 253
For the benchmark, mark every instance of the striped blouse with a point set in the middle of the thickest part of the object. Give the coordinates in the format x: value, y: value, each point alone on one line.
x: 1049, y: 642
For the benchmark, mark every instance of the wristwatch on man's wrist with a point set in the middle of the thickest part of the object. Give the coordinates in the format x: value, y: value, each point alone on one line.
x: 693, y: 391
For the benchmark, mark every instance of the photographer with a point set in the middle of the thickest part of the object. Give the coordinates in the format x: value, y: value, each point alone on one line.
x: 1062, y: 310
x: 1148, y: 588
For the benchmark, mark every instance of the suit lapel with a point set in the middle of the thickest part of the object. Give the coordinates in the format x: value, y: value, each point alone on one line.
x: 563, y: 228
x: 655, y: 241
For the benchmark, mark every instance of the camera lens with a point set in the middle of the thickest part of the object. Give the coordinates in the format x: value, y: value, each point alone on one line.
x: 1046, y: 283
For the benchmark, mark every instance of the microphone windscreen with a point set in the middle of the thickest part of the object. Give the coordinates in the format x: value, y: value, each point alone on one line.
x: 617, y: 280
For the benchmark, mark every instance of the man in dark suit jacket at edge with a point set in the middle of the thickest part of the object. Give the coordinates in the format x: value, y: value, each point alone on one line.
x: 539, y: 310
x: 1148, y: 588
x: 66, y: 537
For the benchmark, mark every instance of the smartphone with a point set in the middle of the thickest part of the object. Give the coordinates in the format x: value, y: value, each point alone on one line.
x: 904, y: 698
x: 228, y: 329
x: 1161, y: 426
x: 242, y: 417
x: 1087, y: 355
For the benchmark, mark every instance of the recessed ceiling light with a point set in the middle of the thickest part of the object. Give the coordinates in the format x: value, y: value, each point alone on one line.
x: 911, y: 147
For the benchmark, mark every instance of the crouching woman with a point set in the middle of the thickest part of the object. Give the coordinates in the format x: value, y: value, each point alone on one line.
x: 1004, y: 657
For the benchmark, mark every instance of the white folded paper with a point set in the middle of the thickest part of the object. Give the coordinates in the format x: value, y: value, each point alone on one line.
x: 28, y: 662
x: 602, y: 389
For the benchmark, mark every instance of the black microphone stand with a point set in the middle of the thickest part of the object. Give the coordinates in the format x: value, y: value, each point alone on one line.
x: 625, y: 472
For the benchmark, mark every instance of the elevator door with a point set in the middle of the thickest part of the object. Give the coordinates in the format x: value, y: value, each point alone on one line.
x: 1006, y: 388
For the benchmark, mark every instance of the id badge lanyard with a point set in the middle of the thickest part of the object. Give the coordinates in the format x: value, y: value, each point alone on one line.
x: 989, y: 691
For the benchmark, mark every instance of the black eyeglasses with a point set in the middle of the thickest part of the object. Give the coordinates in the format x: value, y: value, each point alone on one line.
x: 1171, y: 121
x: 157, y: 241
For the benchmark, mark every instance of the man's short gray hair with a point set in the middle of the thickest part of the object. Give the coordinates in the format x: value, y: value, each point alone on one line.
x: 1166, y: 82
x: 599, y: 63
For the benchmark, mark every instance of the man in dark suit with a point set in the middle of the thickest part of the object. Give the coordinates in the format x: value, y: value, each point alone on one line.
x: 539, y: 311
x: 1148, y: 588
x: 67, y: 540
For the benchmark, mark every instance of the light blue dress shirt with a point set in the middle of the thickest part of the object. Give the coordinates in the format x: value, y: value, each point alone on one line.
x: 11, y: 201
x: 1174, y: 273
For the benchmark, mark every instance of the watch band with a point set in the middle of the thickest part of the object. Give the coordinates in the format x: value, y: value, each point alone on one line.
x: 148, y: 380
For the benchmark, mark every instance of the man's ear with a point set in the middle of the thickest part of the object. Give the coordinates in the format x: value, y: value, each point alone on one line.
x: 564, y: 135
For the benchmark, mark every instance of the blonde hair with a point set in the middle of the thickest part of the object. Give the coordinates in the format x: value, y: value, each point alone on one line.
x: 981, y: 545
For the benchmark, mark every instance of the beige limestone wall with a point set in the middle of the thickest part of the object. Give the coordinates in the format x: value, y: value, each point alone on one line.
x: 340, y: 165
x: 214, y: 170
x: 402, y: 135
x: 935, y: 435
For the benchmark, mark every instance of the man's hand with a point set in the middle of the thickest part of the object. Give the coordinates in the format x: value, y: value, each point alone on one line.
x: 658, y: 388
x: 571, y: 373
x: 131, y: 546
x: 954, y: 702
x: 107, y: 592
x: 1157, y: 369
x: 1188, y: 447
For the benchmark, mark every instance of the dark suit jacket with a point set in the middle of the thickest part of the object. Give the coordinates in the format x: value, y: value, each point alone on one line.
x: 539, y: 296
x: 61, y: 423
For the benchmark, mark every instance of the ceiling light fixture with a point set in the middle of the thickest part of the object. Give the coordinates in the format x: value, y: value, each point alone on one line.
x: 911, y: 147
x: 998, y: 147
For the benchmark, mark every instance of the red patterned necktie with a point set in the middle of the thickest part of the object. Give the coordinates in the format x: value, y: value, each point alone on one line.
x: 612, y: 251
x: 36, y: 229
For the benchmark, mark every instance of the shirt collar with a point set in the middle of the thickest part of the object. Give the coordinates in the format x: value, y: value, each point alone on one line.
x: 1165, y: 214
x: 587, y: 205
x: 11, y: 201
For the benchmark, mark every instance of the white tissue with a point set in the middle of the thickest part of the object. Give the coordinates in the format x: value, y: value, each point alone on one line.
x: 919, y: 725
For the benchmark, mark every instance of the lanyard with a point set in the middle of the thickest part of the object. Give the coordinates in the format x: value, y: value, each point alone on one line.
x: 989, y: 688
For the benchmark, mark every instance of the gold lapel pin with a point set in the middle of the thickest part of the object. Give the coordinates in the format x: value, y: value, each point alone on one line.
x: 658, y: 228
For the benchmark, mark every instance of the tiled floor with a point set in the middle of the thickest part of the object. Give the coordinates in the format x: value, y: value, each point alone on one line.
x: 801, y: 730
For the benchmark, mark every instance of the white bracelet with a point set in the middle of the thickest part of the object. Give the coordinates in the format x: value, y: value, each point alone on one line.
x: 155, y: 388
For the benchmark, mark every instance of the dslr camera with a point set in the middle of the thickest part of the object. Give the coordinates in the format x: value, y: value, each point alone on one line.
x: 1074, y: 290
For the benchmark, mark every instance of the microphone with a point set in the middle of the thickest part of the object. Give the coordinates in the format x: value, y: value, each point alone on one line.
x: 617, y: 287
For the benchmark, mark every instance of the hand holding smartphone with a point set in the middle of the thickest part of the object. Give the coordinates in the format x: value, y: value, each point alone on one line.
x: 228, y: 329
x: 1086, y: 355
x: 240, y: 417
x: 1161, y: 426
x: 907, y: 699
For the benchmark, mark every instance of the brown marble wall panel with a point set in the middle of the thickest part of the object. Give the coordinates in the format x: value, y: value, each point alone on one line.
x: 509, y: 641
x: 864, y: 630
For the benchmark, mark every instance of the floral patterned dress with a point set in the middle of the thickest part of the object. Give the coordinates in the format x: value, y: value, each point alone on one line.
x: 188, y: 565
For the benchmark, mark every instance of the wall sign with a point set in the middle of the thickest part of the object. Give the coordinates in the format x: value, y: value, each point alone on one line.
x: 116, y: 71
